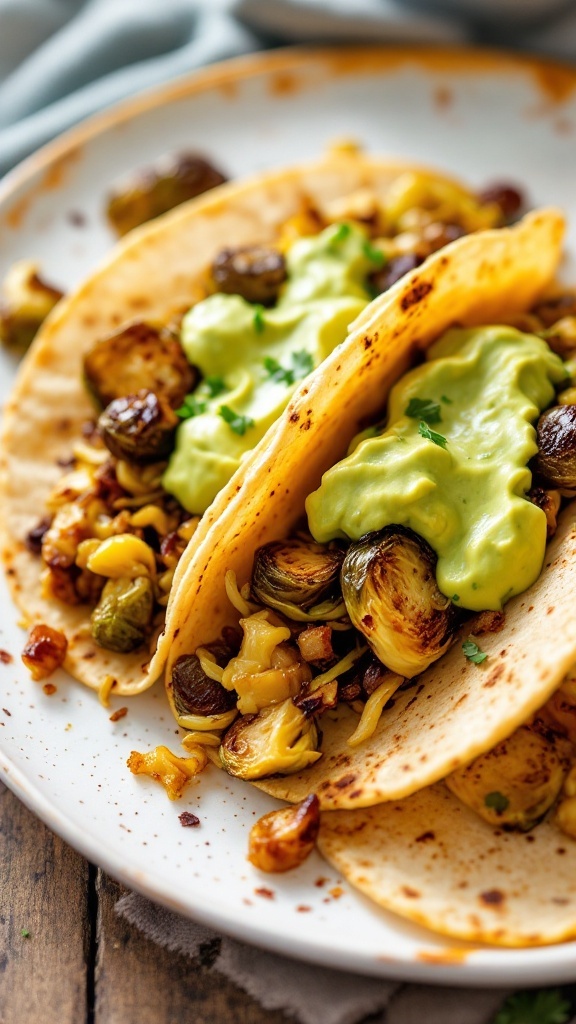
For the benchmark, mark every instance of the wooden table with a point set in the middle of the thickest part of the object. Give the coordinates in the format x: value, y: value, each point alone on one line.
x: 80, y: 962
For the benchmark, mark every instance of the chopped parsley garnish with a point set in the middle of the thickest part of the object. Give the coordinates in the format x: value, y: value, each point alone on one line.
x: 423, y: 409
x: 215, y: 386
x: 431, y: 435
x: 341, y: 233
x: 376, y: 256
x: 497, y: 801
x: 548, y: 1006
x: 238, y: 423
x: 259, y: 322
x: 191, y: 406
x: 455, y: 597
x: 446, y: 400
x: 473, y: 652
x: 24, y: 933
x: 302, y: 365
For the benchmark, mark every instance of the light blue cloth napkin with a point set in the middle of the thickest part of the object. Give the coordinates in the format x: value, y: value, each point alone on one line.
x: 62, y: 60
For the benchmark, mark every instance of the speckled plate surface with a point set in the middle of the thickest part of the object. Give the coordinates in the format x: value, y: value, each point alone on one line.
x: 481, y: 116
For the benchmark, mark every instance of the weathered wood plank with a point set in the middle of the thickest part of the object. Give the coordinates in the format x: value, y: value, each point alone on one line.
x: 43, y: 890
x: 137, y: 982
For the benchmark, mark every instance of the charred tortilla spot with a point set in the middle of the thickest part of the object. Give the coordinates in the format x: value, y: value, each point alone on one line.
x: 346, y: 780
x: 295, y: 417
x: 425, y: 837
x: 411, y: 893
x: 492, y: 897
x: 367, y: 343
x: 494, y: 676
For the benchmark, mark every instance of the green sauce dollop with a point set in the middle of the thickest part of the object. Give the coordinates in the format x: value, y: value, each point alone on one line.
x: 260, y: 356
x: 467, y: 499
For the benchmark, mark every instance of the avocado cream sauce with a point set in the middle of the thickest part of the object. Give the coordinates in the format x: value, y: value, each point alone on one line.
x: 257, y: 356
x: 465, y: 491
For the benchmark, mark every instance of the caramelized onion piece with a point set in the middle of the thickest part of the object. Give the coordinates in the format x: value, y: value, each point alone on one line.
x: 45, y: 651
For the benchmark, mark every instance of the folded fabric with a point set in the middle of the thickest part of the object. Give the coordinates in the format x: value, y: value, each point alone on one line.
x: 310, y: 994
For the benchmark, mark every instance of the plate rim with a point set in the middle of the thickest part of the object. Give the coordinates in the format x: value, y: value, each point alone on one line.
x: 294, y: 59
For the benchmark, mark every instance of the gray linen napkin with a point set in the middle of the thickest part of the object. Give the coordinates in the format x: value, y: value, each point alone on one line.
x: 311, y: 994
x: 62, y: 60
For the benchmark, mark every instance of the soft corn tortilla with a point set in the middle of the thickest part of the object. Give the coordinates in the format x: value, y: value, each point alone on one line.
x: 155, y: 274
x: 457, y: 709
x: 432, y: 860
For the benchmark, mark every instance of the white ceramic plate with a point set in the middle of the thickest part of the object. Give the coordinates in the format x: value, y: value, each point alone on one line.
x: 481, y: 116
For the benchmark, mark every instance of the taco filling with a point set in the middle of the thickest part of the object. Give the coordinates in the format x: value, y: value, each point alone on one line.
x: 180, y: 404
x: 440, y: 511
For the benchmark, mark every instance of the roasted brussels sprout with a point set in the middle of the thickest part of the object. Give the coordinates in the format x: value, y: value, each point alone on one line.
x: 556, y: 440
x: 139, y: 428
x: 280, y: 739
x: 193, y: 692
x: 389, y: 587
x: 516, y: 782
x: 122, y: 619
x: 283, y: 839
x: 25, y: 302
x: 155, y: 190
x: 138, y: 357
x: 254, y: 272
x: 383, y: 279
x: 300, y: 579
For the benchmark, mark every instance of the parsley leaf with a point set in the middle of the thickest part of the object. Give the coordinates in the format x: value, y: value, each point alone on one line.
x: 238, y: 423
x: 24, y: 933
x: 445, y: 399
x: 376, y: 256
x: 215, y: 386
x: 473, y: 652
x: 259, y: 322
x: 302, y: 365
x: 191, y: 406
x: 423, y: 409
x: 547, y: 1006
x: 431, y: 435
x: 341, y: 233
x: 497, y: 801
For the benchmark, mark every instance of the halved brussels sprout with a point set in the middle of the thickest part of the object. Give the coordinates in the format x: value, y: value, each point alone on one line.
x: 155, y: 190
x: 253, y: 271
x: 556, y: 440
x: 280, y: 739
x: 194, y: 693
x: 139, y: 428
x: 389, y: 586
x: 515, y: 783
x: 135, y: 358
x: 25, y: 303
x: 122, y: 619
x: 300, y: 579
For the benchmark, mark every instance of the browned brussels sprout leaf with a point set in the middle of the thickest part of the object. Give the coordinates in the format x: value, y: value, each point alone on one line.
x: 300, y: 579
x: 157, y: 189
x: 25, y: 302
x: 556, y: 440
x: 389, y: 587
x: 194, y: 692
x: 279, y: 739
x: 254, y: 272
x: 136, y: 358
x: 122, y: 619
x: 139, y: 428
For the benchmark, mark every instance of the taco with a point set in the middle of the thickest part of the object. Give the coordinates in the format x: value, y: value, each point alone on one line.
x: 154, y: 381
x: 281, y: 697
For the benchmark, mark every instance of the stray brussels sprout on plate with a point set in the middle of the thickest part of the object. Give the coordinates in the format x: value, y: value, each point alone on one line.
x: 138, y: 357
x: 389, y: 587
x: 194, y: 693
x: 154, y: 190
x: 282, y: 840
x: 139, y: 428
x: 25, y: 302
